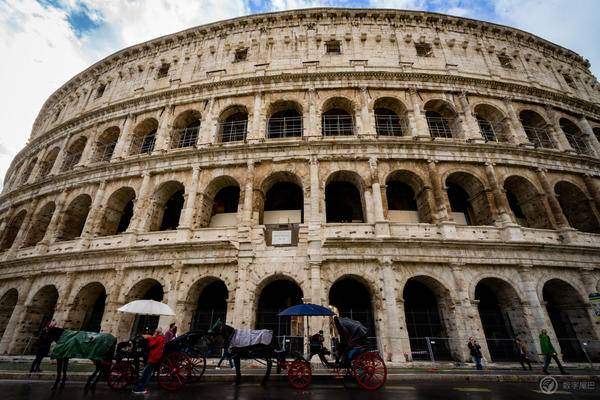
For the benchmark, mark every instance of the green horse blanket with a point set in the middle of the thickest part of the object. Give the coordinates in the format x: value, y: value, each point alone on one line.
x: 79, y: 344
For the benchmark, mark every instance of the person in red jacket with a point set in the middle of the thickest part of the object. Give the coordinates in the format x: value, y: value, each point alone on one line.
x: 156, y: 345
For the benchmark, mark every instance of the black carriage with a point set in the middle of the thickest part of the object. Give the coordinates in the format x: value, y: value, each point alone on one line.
x: 183, y: 361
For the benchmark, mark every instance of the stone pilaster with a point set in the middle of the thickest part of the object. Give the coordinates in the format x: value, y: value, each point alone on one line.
x: 9, y: 338
x: 535, y: 313
x: 124, y: 143
x: 367, y: 119
x: 589, y: 137
x: 163, y: 132
x: 470, y: 126
x: 382, y: 227
x: 392, y: 316
x: 52, y: 230
x: 140, y: 211
x: 420, y: 127
x: 518, y: 136
x: 187, y: 214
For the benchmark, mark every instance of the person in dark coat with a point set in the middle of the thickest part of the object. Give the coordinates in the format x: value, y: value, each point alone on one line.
x: 42, y: 351
x: 475, y: 351
x: 522, y: 353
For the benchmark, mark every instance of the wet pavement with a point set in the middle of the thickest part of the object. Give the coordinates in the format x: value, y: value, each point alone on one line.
x: 39, y: 390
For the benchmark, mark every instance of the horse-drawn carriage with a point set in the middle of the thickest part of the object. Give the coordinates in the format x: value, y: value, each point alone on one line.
x: 183, y: 361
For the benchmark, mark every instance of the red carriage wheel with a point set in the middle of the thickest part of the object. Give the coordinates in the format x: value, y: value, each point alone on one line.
x: 194, y: 368
x: 370, y: 371
x: 120, y: 375
x: 299, y: 374
x: 172, y: 373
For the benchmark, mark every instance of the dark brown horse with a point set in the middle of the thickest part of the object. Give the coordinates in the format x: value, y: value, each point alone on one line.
x: 101, y: 364
x: 223, y: 334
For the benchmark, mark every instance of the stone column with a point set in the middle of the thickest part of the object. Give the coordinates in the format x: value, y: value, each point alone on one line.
x: 556, y: 131
x: 470, y: 127
x: 36, y: 168
x: 559, y: 217
x: 208, y: 124
x: 141, y: 205
x: 315, y: 217
x: 248, y: 194
x: 313, y: 123
x: 421, y: 129
x: 589, y: 279
x: 95, y: 214
x: 122, y: 147
x: 114, y: 300
x: 61, y: 313
x: 17, y: 316
x: 593, y: 186
x: 535, y: 313
x: 469, y: 323
x: 499, y: 195
x: 172, y: 294
x: 187, y: 214
x: 591, y: 139
x: 439, y: 194
x: 60, y: 157
x: 254, y: 127
x: 88, y: 150
x: 367, y: 120
x: 163, y: 132
x: 518, y: 135
x: 390, y: 298
x: 382, y: 227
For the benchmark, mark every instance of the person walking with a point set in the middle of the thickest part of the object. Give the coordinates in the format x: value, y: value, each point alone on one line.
x: 43, y: 348
x: 171, y: 332
x: 522, y: 353
x: 549, y: 353
x: 226, y: 355
x: 475, y: 351
x: 156, y: 345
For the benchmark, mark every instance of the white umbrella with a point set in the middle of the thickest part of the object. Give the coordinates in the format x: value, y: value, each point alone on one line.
x: 147, y: 307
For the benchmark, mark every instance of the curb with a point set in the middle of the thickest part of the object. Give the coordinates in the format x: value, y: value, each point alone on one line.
x: 393, y: 377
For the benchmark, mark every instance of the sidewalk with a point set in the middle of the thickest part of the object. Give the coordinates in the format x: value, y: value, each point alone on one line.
x: 18, y: 368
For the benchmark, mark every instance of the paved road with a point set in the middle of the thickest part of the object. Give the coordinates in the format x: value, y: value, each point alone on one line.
x: 39, y: 390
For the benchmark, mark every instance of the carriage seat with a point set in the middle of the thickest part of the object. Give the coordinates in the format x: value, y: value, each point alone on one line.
x: 251, y: 337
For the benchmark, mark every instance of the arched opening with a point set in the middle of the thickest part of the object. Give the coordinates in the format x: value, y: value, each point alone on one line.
x: 574, y: 136
x: 352, y: 299
x: 185, y: 129
x: 570, y: 319
x: 88, y: 308
x: 7, y: 306
x: 468, y: 200
x: 233, y: 124
x: 406, y: 198
x: 536, y: 129
x: 441, y: 119
x: 343, y: 198
x: 502, y: 318
x: 576, y: 207
x: 284, y: 200
x: 147, y: 289
x: 144, y: 137
x: 39, y: 225
x: 210, y: 301
x: 27, y: 173
x: 285, y: 120
x: 168, y: 204
x: 73, y: 154
x: 38, y: 313
x: 105, y: 146
x: 118, y: 212
x: 220, y: 203
x: 274, y: 298
x: 75, y: 217
x: 12, y: 230
x: 337, y: 117
x: 390, y: 117
x: 428, y: 328
x: 48, y: 162
x: 493, y: 125
x: 526, y: 204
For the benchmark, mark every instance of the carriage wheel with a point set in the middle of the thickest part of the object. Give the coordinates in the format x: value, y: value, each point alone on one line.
x: 120, y: 375
x: 370, y: 371
x: 195, y: 368
x: 299, y: 374
x: 172, y: 373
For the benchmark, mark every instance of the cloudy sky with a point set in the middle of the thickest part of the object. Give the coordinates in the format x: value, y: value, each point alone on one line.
x: 43, y: 43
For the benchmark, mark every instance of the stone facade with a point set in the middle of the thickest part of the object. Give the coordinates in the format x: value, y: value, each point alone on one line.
x: 409, y: 149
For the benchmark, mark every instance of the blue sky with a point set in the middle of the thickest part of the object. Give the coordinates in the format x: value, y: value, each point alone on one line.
x: 46, y: 42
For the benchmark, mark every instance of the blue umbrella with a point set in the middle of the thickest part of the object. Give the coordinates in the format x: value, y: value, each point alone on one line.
x: 308, y: 310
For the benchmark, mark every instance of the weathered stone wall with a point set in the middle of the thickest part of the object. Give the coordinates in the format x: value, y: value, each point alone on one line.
x: 62, y: 178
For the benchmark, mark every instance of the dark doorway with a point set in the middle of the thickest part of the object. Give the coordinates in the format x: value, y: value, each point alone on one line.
x: 426, y: 331
x: 497, y: 327
x: 343, y: 202
x: 148, y: 323
x: 212, y: 306
x: 173, y: 207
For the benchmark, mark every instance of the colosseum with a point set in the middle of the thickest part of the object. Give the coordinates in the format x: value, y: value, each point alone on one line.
x: 434, y: 177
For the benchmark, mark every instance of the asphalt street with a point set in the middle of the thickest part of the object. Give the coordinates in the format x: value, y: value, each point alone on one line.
x: 40, y: 390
